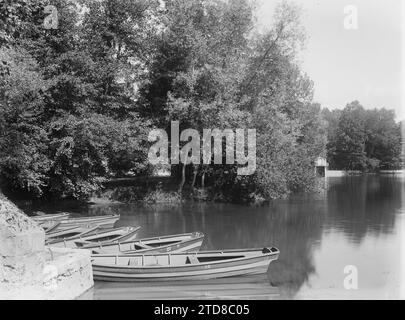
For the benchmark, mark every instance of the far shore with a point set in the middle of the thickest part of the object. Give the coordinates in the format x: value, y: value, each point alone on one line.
x: 343, y: 173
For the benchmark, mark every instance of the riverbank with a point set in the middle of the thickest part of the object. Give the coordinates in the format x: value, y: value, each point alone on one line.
x: 29, y: 270
x: 164, y: 190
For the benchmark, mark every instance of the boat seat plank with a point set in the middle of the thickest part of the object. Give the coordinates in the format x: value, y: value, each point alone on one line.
x: 193, y: 259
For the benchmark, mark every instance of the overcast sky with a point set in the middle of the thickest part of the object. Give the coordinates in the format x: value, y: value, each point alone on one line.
x: 346, y: 65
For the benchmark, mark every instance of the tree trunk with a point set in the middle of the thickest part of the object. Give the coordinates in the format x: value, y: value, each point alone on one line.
x: 194, y: 175
x: 203, y: 180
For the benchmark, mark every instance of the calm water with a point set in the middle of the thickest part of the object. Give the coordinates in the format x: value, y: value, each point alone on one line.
x: 356, y: 222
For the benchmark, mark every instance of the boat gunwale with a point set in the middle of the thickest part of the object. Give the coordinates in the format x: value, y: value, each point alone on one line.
x: 50, y: 217
x: 90, y: 218
x: 78, y: 237
x: 81, y: 236
x: 63, y: 230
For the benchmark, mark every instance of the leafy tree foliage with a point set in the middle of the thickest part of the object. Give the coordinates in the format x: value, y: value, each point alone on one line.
x: 67, y: 100
x: 77, y: 102
x: 366, y: 140
x: 214, y: 70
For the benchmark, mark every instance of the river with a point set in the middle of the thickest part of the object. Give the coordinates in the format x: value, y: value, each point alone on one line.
x: 342, y: 243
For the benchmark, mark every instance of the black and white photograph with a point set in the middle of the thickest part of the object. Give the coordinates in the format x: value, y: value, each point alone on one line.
x: 202, y: 150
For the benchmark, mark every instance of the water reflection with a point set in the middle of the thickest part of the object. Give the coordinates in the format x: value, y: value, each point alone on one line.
x: 365, y: 205
x: 250, y: 287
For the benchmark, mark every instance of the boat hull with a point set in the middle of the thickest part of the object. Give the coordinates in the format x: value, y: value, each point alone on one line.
x: 240, y: 267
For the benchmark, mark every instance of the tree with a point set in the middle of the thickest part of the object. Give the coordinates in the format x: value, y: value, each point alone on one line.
x: 23, y: 158
x: 331, y: 119
x: 383, y: 143
x: 194, y: 76
x: 279, y: 95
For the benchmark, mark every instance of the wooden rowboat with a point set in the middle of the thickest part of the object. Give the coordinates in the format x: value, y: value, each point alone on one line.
x: 50, y: 222
x: 95, y: 235
x: 107, y: 221
x: 183, y: 266
x: 56, y: 235
x: 174, y: 243
x: 110, y: 236
x: 47, y: 217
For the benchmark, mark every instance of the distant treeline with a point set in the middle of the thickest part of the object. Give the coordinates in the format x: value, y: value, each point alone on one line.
x: 366, y: 140
x: 78, y: 96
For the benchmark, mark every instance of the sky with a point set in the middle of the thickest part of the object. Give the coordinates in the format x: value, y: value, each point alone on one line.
x: 361, y: 64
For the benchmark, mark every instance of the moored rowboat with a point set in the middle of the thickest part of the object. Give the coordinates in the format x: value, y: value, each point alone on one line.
x: 110, y: 236
x: 96, y: 235
x: 183, y: 266
x: 173, y: 243
x: 47, y: 217
x: 49, y: 226
x: 57, y: 234
x: 107, y: 221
